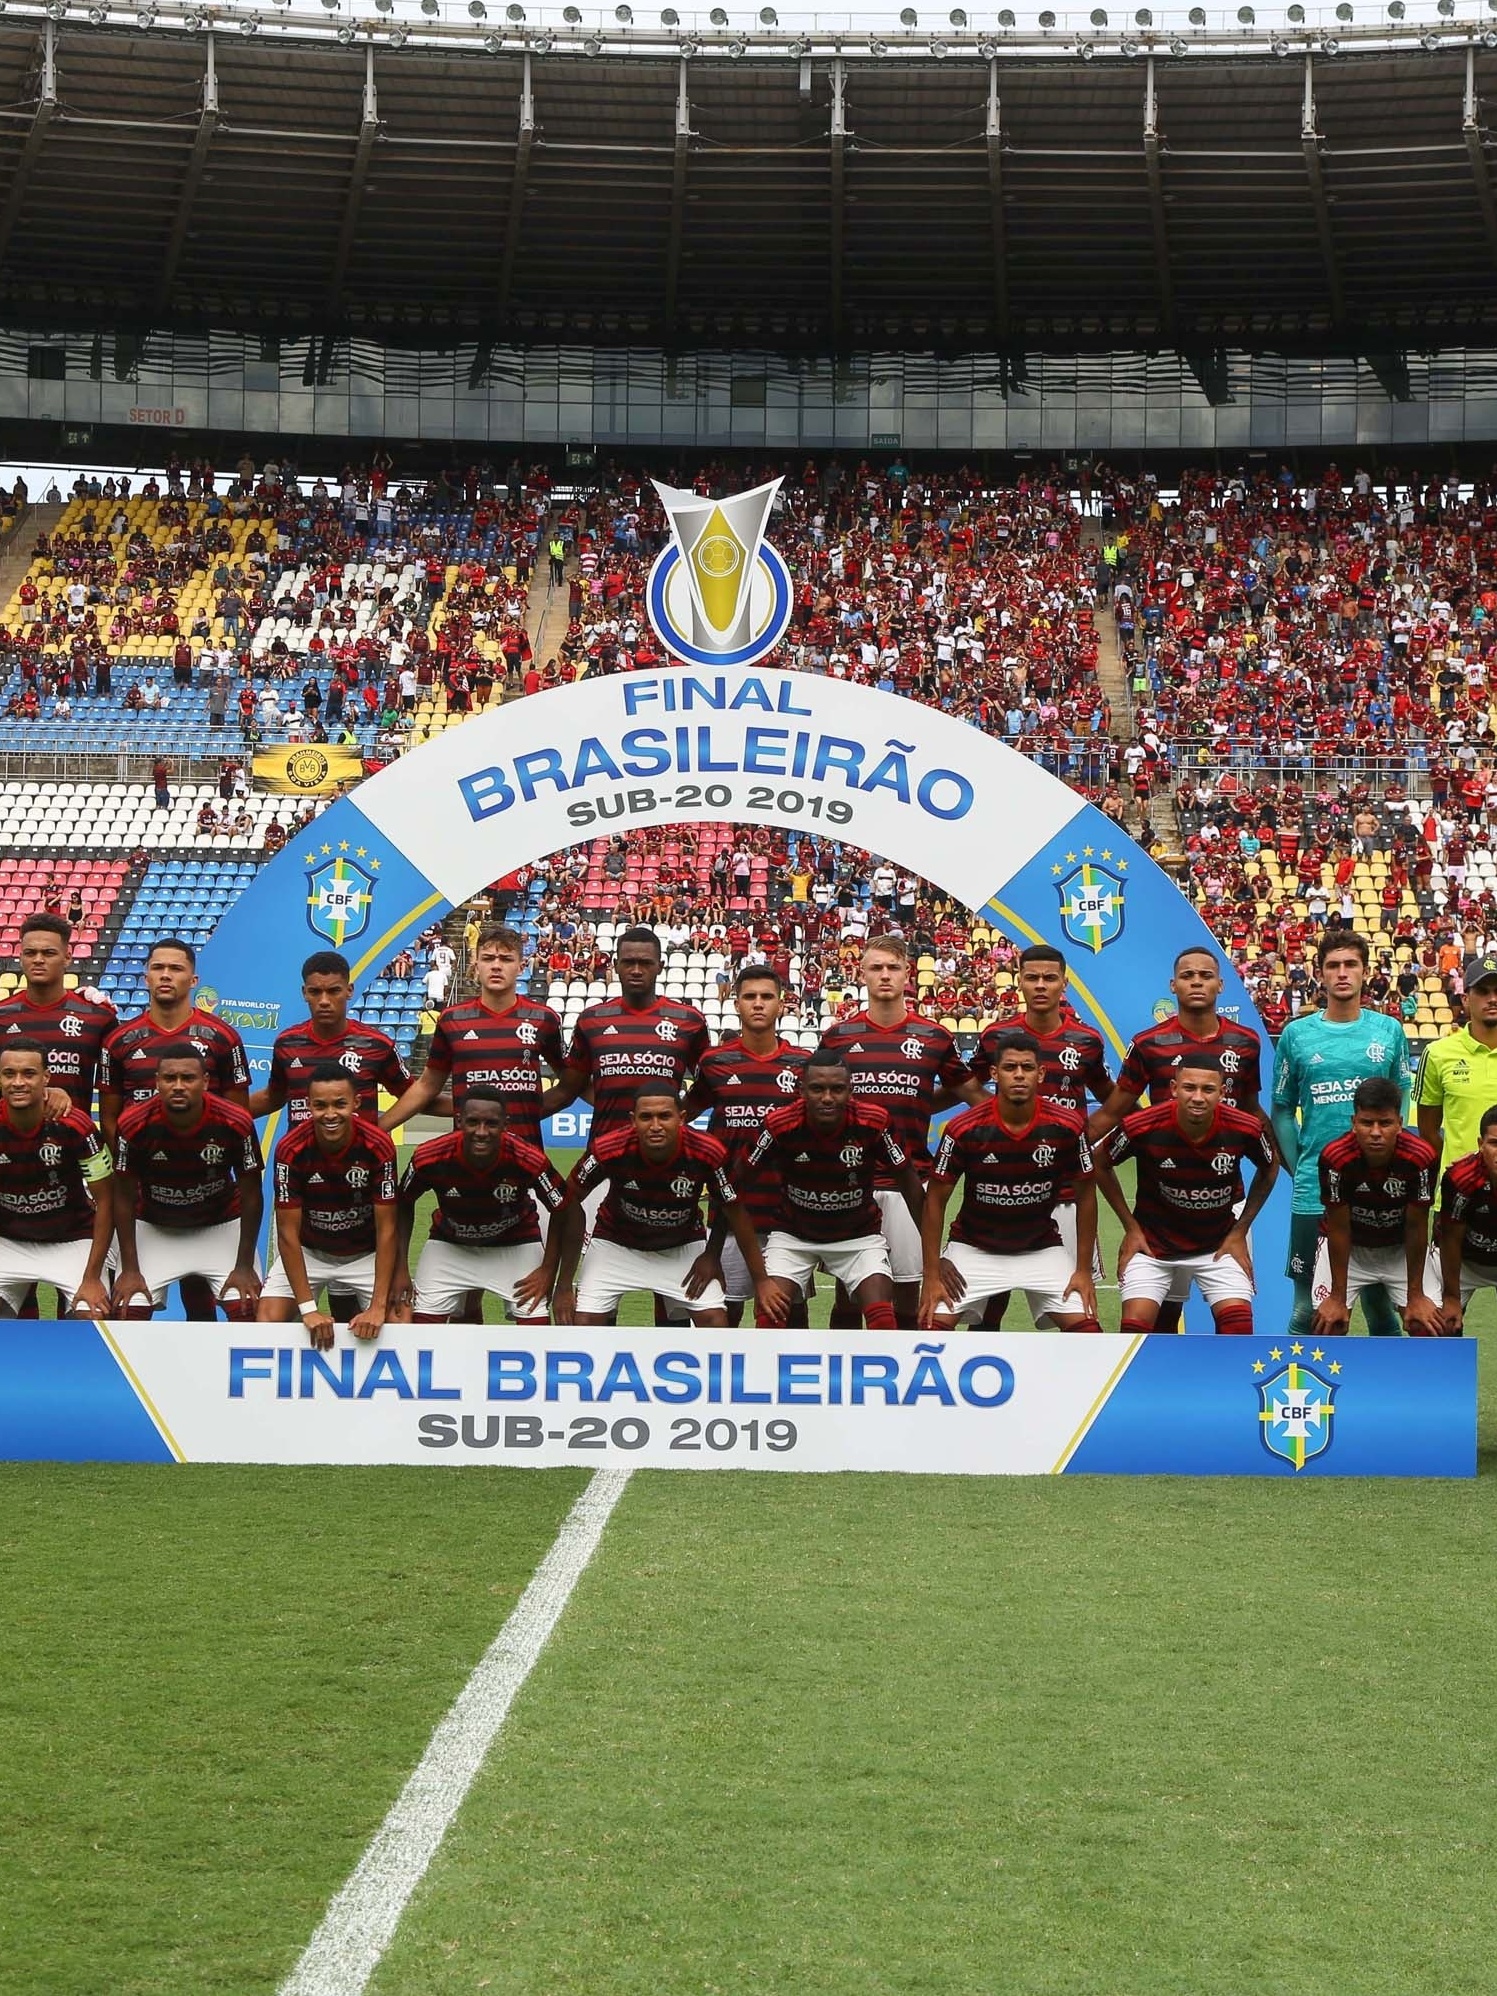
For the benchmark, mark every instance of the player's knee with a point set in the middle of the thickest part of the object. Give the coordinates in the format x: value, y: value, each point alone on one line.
x: 1234, y: 1320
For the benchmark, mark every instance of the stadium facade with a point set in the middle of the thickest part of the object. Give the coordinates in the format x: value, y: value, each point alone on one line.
x: 1102, y: 231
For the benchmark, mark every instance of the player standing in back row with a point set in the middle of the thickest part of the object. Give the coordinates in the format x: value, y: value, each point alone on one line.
x: 1319, y: 1062
x: 910, y: 1067
x: 1195, y: 1027
x: 499, y: 1040
x: 127, y: 1067
x: 741, y: 1080
x: 368, y: 1056
x: 71, y: 1027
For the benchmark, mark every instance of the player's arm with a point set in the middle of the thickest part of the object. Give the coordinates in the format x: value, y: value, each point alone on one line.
x: 768, y: 1296
x: 1106, y: 1157
x: 533, y: 1291
x: 940, y: 1284
x: 1285, y: 1115
x: 369, y: 1323
x: 427, y: 1092
x: 129, y: 1285
x: 1451, y: 1234
x: 402, y: 1289
x: 1423, y: 1317
x: 111, y: 1102
x: 565, y: 1238
x: 288, y: 1240
x: 236, y: 1083
x: 1121, y: 1101
x: 1429, y: 1100
x: 1265, y: 1171
x: 91, y: 1296
x: 244, y: 1277
x: 1081, y: 1285
x: 1332, y: 1318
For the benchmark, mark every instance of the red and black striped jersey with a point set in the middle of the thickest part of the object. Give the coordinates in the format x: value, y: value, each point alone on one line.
x: 481, y: 1048
x: 899, y: 1068
x: 127, y: 1065
x: 367, y: 1056
x: 1014, y: 1178
x: 1073, y: 1064
x: 73, y: 1031
x: 1378, y: 1196
x: 483, y: 1208
x: 653, y: 1206
x: 827, y: 1179
x: 1469, y: 1197
x: 616, y: 1047
x: 1154, y: 1054
x: 337, y: 1191
x: 1188, y: 1186
x: 45, y: 1174
x: 741, y: 1088
x: 187, y: 1178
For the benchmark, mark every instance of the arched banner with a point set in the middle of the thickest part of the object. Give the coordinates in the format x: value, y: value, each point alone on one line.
x: 776, y: 748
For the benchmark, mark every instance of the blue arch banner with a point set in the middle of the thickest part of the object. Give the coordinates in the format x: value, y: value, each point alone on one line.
x: 813, y: 755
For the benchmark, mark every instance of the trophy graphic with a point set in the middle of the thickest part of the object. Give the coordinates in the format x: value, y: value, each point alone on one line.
x: 719, y: 594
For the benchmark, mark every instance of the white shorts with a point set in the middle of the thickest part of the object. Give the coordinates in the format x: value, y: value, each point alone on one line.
x: 611, y: 1271
x: 1146, y: 1280
x: 62, y: 1263
x: 167, y: 1254
x: 1366, y: 1268
x: 849, y: 1262
x: 1042, y: 1276
x: 906, y: 1263
x: 347, y: 1275
x: 447, y: 1271
x: 1475, y: 1275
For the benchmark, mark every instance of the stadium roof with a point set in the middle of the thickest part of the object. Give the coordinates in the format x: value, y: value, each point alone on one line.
x: 423, y: 179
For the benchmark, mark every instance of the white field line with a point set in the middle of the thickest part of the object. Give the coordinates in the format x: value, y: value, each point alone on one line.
x: 361, y: 1920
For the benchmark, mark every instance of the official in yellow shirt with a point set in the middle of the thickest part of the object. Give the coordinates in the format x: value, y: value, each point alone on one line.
x: 1457, y: 1081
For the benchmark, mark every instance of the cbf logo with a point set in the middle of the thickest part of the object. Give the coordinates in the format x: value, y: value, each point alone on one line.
x: 1295, y: 1411
x: 719, y: 594
x: 340, y: 895
x: 1091, y: 903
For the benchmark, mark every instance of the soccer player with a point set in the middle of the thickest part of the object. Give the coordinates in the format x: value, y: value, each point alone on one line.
x: 1073, y: 1062
x: 497, y: 1040
x: 335, y: 1215
x: 327, y: 1033
x: 484, y: 1235
x: 1377, y: 1184
x: 911, y: 1068
x: 619, y: 1043
x: 1321, y: 1058
x: 127, y: 1065
x: 1457, y: 1080
x: 71, y: 1026
x: 1154, y: 1054
x: 740, y: 1080
x: 56, y: 1191
x: 828, y: 1150
x: 648, y: 1234
x: 1183, y: 1228
x: 1017, y: 1154
x: 1466, y: 1249
x: 189, y: 1196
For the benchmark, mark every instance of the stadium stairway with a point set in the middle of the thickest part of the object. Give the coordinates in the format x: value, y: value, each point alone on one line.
x: 20, y: 547
x: 1111, y: 672
x: 546, y: 617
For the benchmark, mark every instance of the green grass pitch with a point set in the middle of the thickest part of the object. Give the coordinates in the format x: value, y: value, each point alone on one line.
x: 806, y: 1735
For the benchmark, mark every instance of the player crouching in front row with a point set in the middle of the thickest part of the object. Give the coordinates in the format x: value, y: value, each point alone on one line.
x: 188, y: 1195
x: 1184, y: 1228
x: 1377, y: 1184
x: 1020, y: 1157
x: 1464, y: 1259
x: 485, y: 1234
x: 56, y: 1191
x: 335, y: 1216
x: 648, y: 1234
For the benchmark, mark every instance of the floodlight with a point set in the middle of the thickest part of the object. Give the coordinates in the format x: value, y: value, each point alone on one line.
x: 494, y: 44
x: 250, y: 26
x: 1329, y: 45
x: 1344, y: 11
x: 347, y: 34
x: 1279, y: 45
x: 1099, y: 19
x: 876, y: 47
x: 1129, y: 47
x: 1143, y: 18
x: 543, y: 44
x: 571, y: 15
x: 1007, y: 19
x: 592, y: 46
x: 958, y: 17
x: 1198, y: 17
x: 768, y: 18
x: 399, y: 37
x: 1177, y: 47
x: 1246, y: 16
x: 988, y: 50
x: 1047, y: 19
x: 718, y: 17
x: 1429, y: 43
x: 98, y: 15
x: 908, y: 18
x: 1396, y: 10
x: 623, y: 15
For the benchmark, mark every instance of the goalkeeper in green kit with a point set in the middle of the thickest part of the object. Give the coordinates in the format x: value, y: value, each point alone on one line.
x: 1321, y: 1057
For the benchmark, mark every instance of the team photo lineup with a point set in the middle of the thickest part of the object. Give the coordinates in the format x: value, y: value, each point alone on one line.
x: 132, y: 1162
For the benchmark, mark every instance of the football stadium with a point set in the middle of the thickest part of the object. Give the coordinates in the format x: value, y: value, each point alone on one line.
x: 763, y: 742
